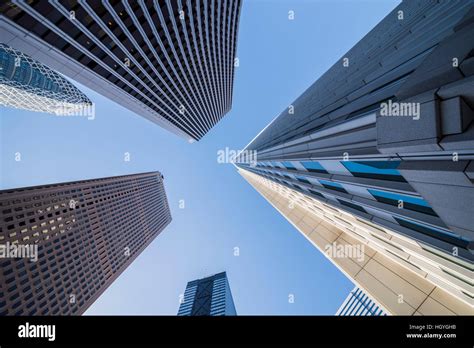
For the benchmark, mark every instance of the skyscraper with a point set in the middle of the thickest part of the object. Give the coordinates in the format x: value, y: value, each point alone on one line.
x: 358, y: 303
x: 381, y: 146
x: 27, y: 84
x: 62, y: 245
x: 170, y: 61
x: 208, y: 296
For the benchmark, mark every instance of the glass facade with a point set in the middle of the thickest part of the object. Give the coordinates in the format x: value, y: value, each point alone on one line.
x: 210, y: 296
x: 176, y: 73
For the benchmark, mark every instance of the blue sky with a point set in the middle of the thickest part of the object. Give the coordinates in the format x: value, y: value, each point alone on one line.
x: 279, y: 59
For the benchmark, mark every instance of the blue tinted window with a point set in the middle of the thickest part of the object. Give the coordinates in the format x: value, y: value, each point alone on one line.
x: 314, y: 167
x: 333, y: 186
x: 303, y: 179
x: 409, y: 202
x: 397, y: 197
x: 383, y: 170
x: 289, y: 165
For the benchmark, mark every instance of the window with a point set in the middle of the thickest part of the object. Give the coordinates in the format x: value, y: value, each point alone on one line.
x: 303, y: 179
x: 289, y: 165
x: 434, y: 232
x: 314, y: 167
x: 382, y: 170
x: 352, y: 205
x: 409, y: 202
x: 332, y: 186
x: 316, y: 193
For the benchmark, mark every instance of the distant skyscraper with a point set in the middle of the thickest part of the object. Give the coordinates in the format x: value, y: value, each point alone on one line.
x: 27, y: 84
x: 208, y: 296
x: 381, y: 146
x: 170, y: 61
x: 358, y: 303
x: 62, y: 245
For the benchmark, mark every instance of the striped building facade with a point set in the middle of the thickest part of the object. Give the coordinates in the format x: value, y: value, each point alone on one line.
x: 169, y: 61
x: 358, y: 303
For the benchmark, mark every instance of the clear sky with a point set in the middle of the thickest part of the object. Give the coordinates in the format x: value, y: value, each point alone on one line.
x: 279, y: 59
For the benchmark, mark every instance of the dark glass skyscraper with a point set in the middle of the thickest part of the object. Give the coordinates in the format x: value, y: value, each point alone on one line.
x: 208, y: 296
x: 62, y: 245
x: 386, y: 138
x: 170, y: 61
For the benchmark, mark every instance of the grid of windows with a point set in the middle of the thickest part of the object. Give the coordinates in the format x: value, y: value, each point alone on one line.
x: 86, y: 234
